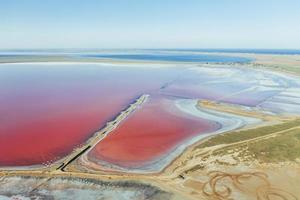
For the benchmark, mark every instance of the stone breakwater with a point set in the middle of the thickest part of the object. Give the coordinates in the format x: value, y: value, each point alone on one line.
x: 101, y: 134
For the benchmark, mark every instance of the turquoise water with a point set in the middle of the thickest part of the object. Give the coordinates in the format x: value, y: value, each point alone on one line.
x: 166, y: 55
x: 140, y: 55
x: 171, y: 57
x: 254, y: 51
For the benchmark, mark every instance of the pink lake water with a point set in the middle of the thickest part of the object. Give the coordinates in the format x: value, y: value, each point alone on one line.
x: 47, y: 110
x: 149, y: 133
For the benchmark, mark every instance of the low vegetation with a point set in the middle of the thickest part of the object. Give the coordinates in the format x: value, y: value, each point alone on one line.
x: 278, y: 148
x: 283, y: 147
x: 237, y: 136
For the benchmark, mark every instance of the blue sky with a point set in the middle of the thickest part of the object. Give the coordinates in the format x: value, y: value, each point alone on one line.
x: 150, y: 24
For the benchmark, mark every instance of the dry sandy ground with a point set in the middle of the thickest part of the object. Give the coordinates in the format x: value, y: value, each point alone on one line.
x: 222, y: 172
x: 203, y: 175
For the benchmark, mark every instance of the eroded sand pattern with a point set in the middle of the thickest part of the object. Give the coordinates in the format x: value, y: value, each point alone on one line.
x: 24, y: 188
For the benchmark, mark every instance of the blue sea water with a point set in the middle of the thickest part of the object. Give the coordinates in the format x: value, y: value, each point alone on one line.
x: 184, y: 57
x: 168, y: 55
x: 254, y: 51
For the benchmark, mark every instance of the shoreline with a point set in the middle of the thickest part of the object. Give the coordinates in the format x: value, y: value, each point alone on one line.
x: 189, y: 107
x: 206, y: 114
x: 164, y: 179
